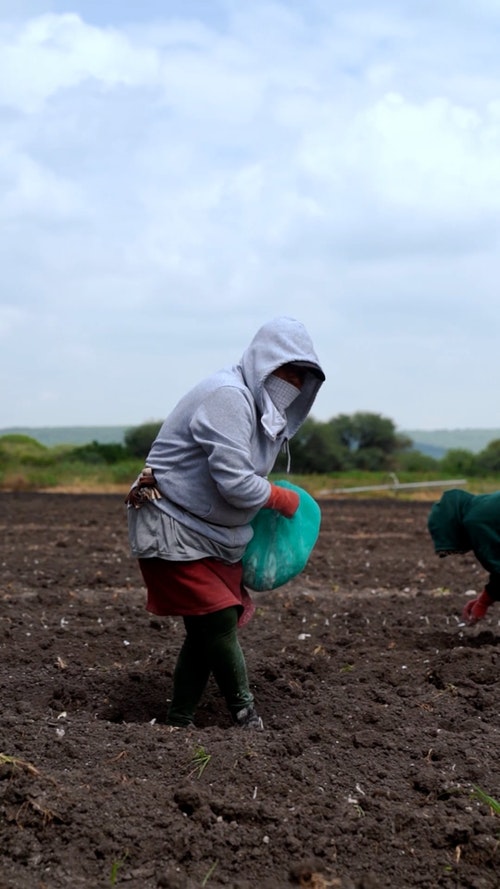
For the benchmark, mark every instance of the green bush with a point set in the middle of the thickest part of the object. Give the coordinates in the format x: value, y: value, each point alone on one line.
x: 458, y: 461
x: 97, y: 454
x: 126, y: 472
x: 488, y: 460
x: 20, y: 447
x: 415, y: 461
x: 139, y: 439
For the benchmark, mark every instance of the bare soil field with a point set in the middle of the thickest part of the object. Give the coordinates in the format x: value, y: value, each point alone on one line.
x: 381, y: 714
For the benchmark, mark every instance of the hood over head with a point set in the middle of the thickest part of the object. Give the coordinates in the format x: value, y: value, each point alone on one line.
x: 446, y: 522
x: 283, y: 340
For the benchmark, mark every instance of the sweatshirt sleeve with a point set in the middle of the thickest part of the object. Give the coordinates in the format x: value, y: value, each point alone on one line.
x: 493, y: 587
x: 225, y: 427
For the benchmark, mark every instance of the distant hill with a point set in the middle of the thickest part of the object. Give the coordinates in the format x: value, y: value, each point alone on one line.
x: 429, y: 450
x: 72, y: 435
x: 436, y: 442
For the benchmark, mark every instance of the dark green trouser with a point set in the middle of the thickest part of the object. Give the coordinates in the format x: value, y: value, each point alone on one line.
x: 211, y: 646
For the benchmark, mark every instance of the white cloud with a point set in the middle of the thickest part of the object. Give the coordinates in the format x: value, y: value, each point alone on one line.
x: 11, y: 320
x: 180, y: 178
x: 32, y: 190
x: 59, y: 52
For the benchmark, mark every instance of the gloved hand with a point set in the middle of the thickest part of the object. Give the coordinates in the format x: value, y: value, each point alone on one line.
x: 476, y: 609
x: 283, y: 500
x: 143, y: 489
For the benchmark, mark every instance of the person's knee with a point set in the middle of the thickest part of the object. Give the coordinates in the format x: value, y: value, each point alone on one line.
x: 218, y: 624
x: 224, y: 623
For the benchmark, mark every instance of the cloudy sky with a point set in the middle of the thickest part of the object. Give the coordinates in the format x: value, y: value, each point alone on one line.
x: 174, y: 173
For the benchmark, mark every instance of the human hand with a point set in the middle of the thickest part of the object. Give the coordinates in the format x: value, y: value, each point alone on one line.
x: 283, y: 500
x: 476, y: 609
x: 143, y: 489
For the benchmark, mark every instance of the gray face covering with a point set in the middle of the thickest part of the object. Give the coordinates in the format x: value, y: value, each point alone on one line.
x: 281, y: 392
x: 278, y: 395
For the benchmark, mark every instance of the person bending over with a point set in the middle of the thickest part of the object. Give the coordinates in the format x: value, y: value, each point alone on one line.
x: 189, y: 511
x: 460, y: 523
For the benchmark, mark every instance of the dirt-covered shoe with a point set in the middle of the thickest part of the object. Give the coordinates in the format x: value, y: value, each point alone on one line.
x: 248, y: 719
x: 180, y: 728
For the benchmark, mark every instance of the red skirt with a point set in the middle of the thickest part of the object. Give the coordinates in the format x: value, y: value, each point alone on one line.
x: 198, y: 587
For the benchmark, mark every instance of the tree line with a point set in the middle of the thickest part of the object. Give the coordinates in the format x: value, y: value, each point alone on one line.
x: 361, y: 441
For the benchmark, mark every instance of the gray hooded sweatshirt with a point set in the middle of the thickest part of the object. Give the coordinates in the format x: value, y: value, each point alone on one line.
x: 214, y: 451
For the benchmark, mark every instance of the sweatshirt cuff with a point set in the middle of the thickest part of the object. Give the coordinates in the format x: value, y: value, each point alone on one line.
x: 493, y: 587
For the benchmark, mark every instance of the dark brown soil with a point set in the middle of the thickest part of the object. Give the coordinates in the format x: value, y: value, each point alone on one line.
x: 381, y: 716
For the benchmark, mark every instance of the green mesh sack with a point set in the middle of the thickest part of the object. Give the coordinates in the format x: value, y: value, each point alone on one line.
x: 280, y: 547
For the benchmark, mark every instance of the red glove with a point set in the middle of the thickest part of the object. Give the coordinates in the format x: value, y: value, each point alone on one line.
x: 283, y: 500
x: 476, y: 609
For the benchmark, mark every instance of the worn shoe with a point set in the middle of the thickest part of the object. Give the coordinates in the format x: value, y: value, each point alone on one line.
x: 248, y: 719
x: 190, y: 726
